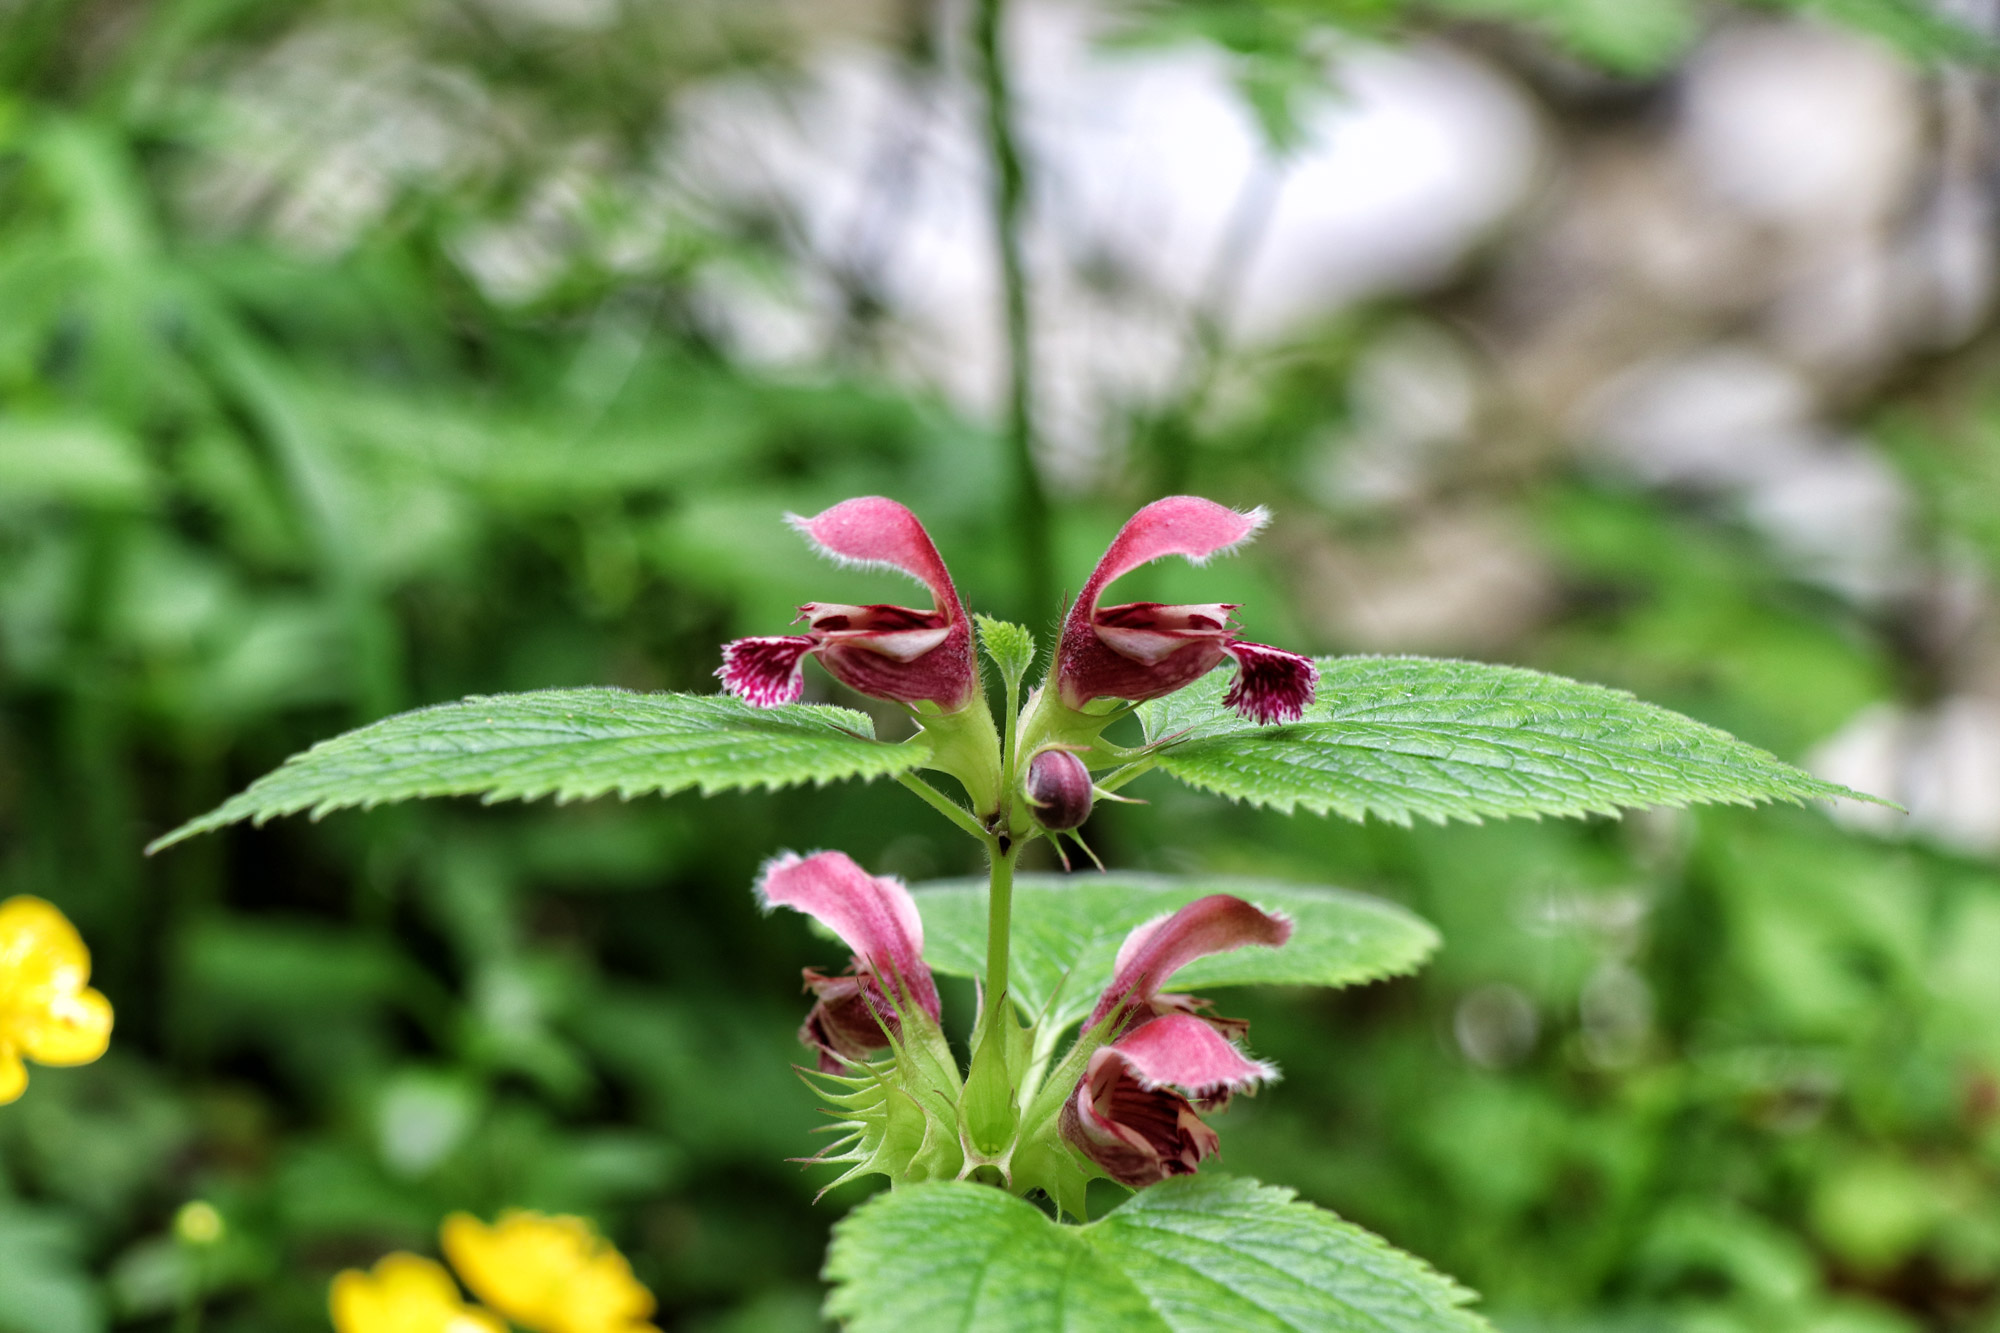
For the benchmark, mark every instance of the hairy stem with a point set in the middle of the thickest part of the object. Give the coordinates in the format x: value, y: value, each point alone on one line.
x: 999, y: 927
x: 1030, y: 503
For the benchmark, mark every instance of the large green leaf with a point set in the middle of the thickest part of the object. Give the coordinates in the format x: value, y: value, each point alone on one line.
x: 570, y: 744
x: 1198, y: 1254
x: 1406, y: 737
x: 1067, y: 929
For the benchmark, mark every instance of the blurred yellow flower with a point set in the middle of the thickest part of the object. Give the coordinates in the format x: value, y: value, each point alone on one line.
x: 549, y: 1274
x: 47, y: 1013
x: 405, y: 1294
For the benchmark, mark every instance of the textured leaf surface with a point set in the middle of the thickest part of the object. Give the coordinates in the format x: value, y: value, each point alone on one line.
x: 1402, y: 738
x: 569, y: 744
x: 1011, y: 646
x: 1078, y: 921
x: 1198, y: 1254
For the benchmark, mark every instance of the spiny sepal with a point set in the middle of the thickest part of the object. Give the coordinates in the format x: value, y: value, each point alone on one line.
x: 895, y: 1117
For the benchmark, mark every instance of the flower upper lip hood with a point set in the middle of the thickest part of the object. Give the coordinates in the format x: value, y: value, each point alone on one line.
x: 1156, y: 950
x: 857, y: 1014
x: 1142, y: 650
x: 1135, y: 1110
x: 887, y: 652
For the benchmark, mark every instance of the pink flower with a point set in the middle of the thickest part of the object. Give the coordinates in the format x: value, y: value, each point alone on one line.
x: 862, y: 1011
x: 1153, y: 952
x: 1142, y: 650
x: 888, y: 652
x: 1131, y: 1112
x: 1127, y: 1116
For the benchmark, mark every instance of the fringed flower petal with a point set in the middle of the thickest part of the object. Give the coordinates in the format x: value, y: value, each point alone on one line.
x: 1143, y: 650
x: 886, y: 652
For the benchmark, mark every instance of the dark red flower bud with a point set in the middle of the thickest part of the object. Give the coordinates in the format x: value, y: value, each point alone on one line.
x: 1059, y: 790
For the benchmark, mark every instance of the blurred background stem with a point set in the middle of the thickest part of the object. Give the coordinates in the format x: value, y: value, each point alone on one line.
x: 1030, y: 503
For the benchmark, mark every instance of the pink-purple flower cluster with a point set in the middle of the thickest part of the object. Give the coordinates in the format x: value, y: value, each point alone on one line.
x: 1136, y: 651
x: 1127, y: 1101
x: 1164, y: 1058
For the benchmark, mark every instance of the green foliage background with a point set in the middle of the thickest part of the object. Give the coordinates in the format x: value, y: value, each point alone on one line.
x: 250, y: 498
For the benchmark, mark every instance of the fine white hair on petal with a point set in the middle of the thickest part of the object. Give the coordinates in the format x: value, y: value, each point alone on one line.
x: 1266, y: 1072
x: 1251, y: 1072
x: 894, y: 893
x: 1259, y: 519
x: 802, y: 525
x: 782, y: 861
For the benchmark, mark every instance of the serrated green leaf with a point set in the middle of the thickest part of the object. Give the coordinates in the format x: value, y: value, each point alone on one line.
x: 572, y: 745
x: 1197, y: 1254
x: 1011, y: 646
x: 1072, y: 925
x: 1402, y: 738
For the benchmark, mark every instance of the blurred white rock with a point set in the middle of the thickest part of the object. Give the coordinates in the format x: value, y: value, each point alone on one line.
x: 1942, y: 764
x: 1802, y: 126
x: 1735, y: 420
x: 1144, y: 160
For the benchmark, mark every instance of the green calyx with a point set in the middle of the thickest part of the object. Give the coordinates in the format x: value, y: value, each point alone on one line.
x: 966, y: 744
x: 989, y: 1112
x: 908, y: 1116
x: 898, y: 1116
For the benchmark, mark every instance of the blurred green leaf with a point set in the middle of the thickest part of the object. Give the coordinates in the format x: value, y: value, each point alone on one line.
x: 1200, y: 1253
x: 1401, y: 738
x: 1920, y: 30
x: 44, y: 1287
x: 1626, y: 36
x: 570, y: 744
x: 1067, y: 930
x: 72, y: 460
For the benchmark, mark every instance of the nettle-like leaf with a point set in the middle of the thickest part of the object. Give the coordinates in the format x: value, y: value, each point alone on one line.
x: 1197, y: 1254
x: 572, y: 745
x: 1402, y: 738
x: 1067, y: 929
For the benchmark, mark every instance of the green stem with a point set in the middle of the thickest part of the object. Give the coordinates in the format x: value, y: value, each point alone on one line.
x: 1031, y: 505
x: 1010, y: 751
x: 999, y: 925
x: 947, y: 807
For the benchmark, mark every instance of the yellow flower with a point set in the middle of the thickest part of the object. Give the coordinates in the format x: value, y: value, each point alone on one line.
x: 549, y: 1274
x: 405, y: 1294
x: 47, y: 1013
